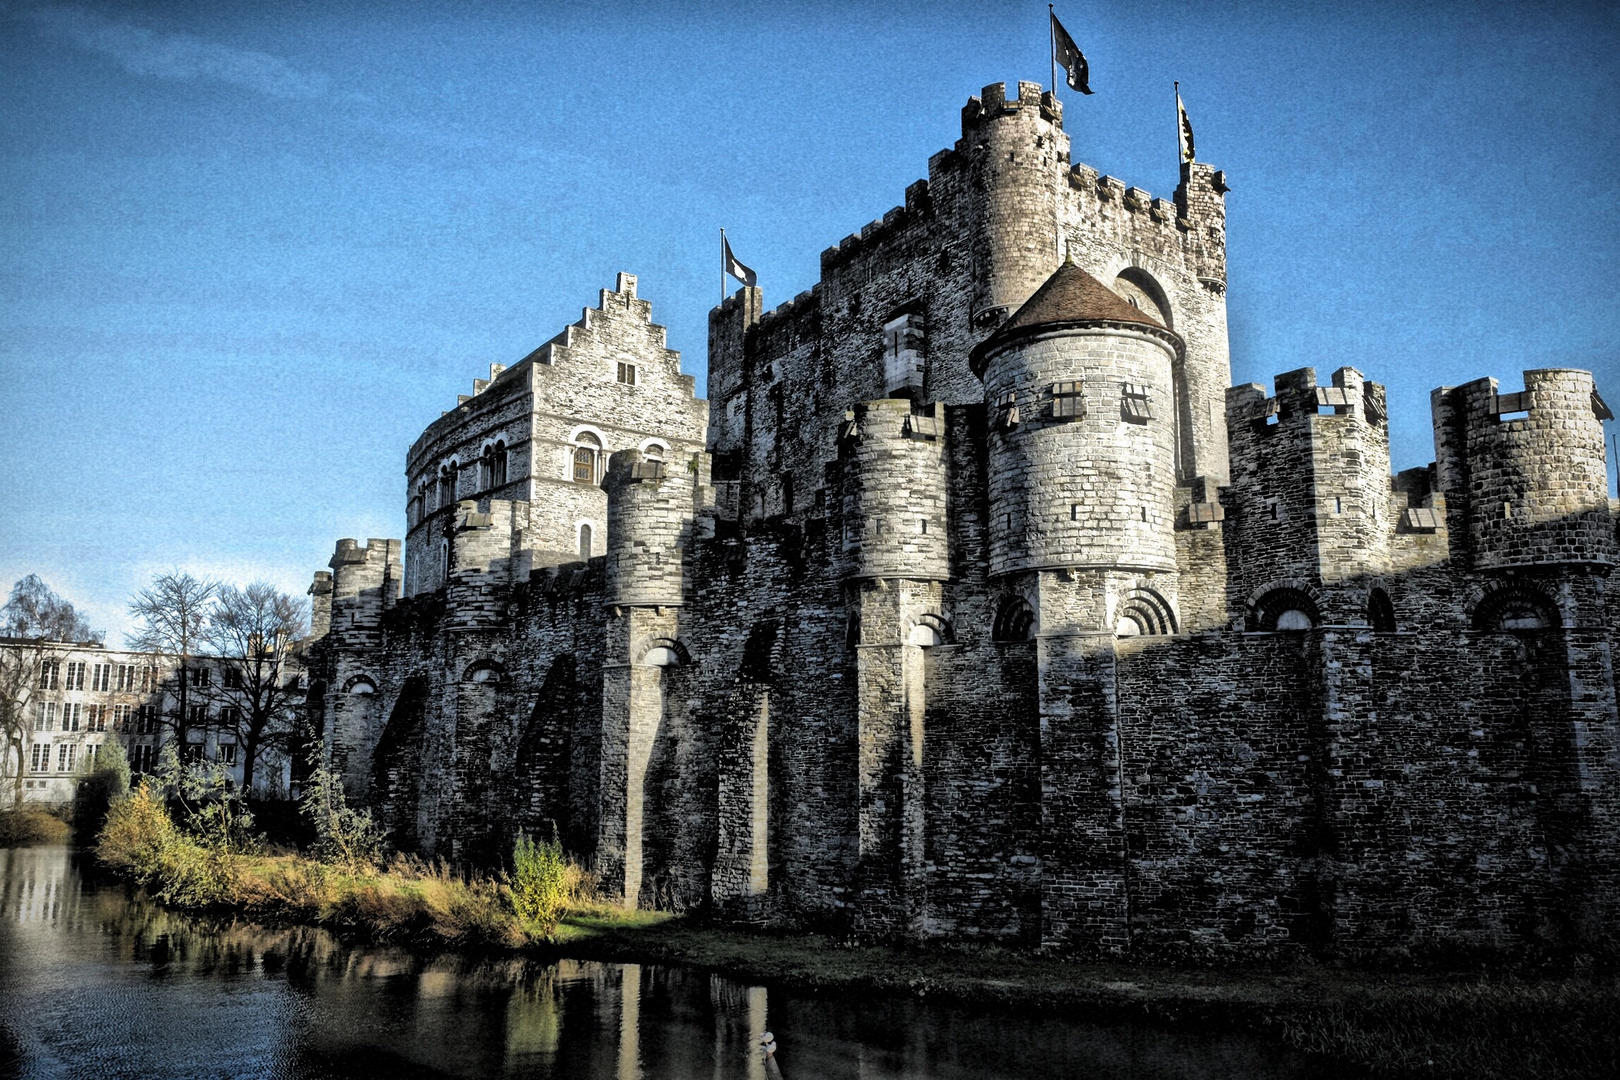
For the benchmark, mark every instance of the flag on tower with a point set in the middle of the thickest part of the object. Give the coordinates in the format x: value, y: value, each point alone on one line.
x: 1068, y: 56
x: 1184, y: 129
x: 733, y: 266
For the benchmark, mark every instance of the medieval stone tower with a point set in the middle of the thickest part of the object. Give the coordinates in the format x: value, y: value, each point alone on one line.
x: 973, y: 602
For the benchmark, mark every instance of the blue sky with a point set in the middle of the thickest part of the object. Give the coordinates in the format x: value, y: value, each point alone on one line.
x: 248, y: 251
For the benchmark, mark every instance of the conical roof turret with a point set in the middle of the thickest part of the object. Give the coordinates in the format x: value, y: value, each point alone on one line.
x: 1070, y: 297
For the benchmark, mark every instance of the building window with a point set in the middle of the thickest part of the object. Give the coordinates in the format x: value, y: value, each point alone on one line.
x: 903, y: 365
x: 1134, y: 405
x: 65, y: 755
x: 226, y: 753
x: 230, y: 716
x: 233, y: 678
x: 91, y: 752
x: 627, y: 373
x: 655, y: 451
x: 75, y: 675
x: 584, y: 541
x: 72, y: 713
x: 194, y: 751
x: 146, y: 719
x: 101, y: 678
x: 447, y: 483
x: 126, y: 677
x: 96, y: 718
x: 121, y: 717
x: 49, y: 673
x: 142, y: 758
x: 1068, y: 401
x: 40, y: 759
x: 492, y: 466
x: 149, y: 679
x: 199, y: 715
x: 1007, y: 410
x: 587, y: 449
x: 199, y: 676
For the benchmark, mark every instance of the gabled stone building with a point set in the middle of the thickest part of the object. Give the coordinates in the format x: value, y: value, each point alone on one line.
x: 973, y: 602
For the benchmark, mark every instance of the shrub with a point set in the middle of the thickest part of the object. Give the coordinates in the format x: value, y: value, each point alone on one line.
x: 542, y: 883
x: 343, y: 836
x: 142, y: 841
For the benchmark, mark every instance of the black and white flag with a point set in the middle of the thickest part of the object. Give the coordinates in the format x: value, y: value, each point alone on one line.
x: 733, y: 266
x: 1184, y: 128
x: 1070, y: 58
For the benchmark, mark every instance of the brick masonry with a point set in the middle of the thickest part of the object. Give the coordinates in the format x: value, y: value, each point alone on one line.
x: 880, y: 638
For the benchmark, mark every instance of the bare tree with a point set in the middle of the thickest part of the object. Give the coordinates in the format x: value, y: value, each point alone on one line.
x: 256, y: 634
x: 32, y: 618
x: 174, y: 612
x: 36, y: 613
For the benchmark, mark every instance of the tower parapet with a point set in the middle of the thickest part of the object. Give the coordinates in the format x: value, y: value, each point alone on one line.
x: 894, y: 499
x: 1310, y: 489
x: 652, y: 510
x: 365, y: 583
x: 1525, y: 475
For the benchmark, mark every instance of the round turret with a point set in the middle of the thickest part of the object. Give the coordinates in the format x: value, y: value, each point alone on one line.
x: 649, y: 513
x: 1533, y: 469
x: 1082, y: 432
x: 894, y: 493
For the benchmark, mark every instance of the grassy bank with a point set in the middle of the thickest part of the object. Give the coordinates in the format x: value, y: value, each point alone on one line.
x: 30, y: 827
x: 1433, y: 1023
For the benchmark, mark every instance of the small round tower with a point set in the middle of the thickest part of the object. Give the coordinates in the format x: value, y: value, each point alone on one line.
x: 649, y: 513
x: 894, y: 493
x: 1529, y: 469
x: 1082, y: 454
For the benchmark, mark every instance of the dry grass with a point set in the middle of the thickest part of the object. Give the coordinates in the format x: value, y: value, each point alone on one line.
x: 30, y: 828
x: 409, y: 899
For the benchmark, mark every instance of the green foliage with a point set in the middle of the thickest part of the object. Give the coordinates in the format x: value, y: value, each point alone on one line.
x: 542, y: 883
x: 344, y: 836
x: 212, y: 809
x: 29, y: 827
x: 141, y: 840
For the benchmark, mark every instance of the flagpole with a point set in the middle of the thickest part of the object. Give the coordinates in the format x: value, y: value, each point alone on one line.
x: 722, y: 266
x: 1179, y: 162
x: 1051, y: 48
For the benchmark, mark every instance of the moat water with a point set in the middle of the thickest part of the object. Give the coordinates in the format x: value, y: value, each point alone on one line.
x: 95, y: 982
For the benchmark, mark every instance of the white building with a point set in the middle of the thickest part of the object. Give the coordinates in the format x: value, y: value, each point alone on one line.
x: 73, y: 698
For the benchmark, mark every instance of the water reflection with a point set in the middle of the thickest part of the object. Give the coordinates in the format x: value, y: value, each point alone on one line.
x: 95, y: 983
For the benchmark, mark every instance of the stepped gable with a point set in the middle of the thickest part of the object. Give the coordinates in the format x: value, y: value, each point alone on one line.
x: 1070, y: 297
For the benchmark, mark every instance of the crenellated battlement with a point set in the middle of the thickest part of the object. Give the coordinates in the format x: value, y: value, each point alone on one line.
x: 992, y: 102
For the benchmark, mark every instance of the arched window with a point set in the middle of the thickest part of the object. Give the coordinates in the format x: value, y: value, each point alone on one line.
x: 1284, y: 609
x: 484, y: 671
x: 1380, y: 612
x: 1144, y: 613
x: 444, y: 562
x: 587, y: 450
x: 655, y: 451
x: 447, y: 483
x: 1015, y: 621
x: 1516, y: 609
x: 584, y: 541
x: 492, y: 467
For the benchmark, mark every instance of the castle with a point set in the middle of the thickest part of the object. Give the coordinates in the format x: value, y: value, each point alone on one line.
x: 973, y: 603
